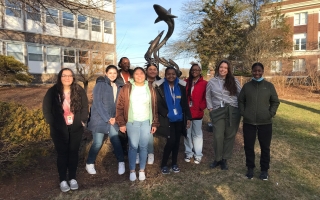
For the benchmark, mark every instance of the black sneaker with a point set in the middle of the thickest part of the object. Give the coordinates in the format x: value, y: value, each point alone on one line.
x: 249, y: 174
x: 264, y: 175
x: 175, y: 168
x: 187, y: 158
x: 215, y: 164
x: 224, y: 165
x: 165, y: 170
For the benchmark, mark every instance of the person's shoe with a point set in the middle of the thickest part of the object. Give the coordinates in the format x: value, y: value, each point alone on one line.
x: 142, y: 176
x: 137, y: 159
x: 150, y: 158
x: 187, y: 158
x: 165, y: 170
x: 215, y: 164
x: 64, y: 187
x: 73, y: 184
x: 224, y: 165
x: 133, y: 176
x: 121, y: 168
x: 197, y: 160
x: 90, y: 169
x: 175, y: 168
x: 249, y: 174
x: 264, y: 175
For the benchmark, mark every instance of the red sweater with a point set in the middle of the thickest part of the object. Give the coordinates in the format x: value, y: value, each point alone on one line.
x: 198, y: 98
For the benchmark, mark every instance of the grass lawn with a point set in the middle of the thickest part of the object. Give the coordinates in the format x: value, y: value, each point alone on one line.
x: 294, y: 171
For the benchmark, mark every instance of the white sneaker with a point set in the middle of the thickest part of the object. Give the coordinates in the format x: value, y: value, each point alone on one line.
x: 64, y: 187
x: 142, y: 176
x: 73, y: 184
x: 133, y: 176
x: 121, y: 168
x: 137, y: 159
x: 90, y: 169
x: 150, y: 158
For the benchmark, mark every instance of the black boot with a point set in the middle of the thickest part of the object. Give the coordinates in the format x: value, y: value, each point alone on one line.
x: 215, y: 164
x: 224, y: 165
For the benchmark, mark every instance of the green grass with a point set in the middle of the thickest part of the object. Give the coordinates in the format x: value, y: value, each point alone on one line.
x: 294, y: 169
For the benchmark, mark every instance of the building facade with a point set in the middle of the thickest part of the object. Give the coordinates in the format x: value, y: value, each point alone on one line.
x: 49, y: 37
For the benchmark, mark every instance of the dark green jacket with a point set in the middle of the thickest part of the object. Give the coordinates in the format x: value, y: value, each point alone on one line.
x: 258, y: 102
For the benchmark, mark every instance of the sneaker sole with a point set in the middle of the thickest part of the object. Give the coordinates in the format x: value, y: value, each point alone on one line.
x: 90, y: 173
x: 74, y: 188
x: 65, y: 190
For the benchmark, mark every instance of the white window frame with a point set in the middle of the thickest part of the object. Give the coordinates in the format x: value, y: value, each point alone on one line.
x: 53, y: 54
x: 108, y: 57
x: 300, y: 18
x: 108, y: 29
x: 95, y: 23
x: 67, y: 56
x: 66, y: 17
x: 97, y: 56
x: 52, y: 15
x: 300, y: 42
x: 83, y: 24
x: 276, y: 66
x: 318, y: 64
x: 33, y: 13
x: 13, y: 53
x: 299, y: 65
x: 34, y: 50
x: 14, y: 8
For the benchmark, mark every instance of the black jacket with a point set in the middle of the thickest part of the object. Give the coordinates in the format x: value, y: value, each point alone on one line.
x: 53, y: 113
x: 164, y: 128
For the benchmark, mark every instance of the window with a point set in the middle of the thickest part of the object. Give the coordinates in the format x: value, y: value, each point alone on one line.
x: 68, y: 56
x: 276, y: 66
x: 300, y: 19
x: 34, y: 53
x: 108, y: 27
x: 96, y: 58
x: 96, y: 25
x: 84, y: 57
x: 33, y: 13
x: 13, y: 8
x: 108, y: 59
x: 52, y: 16
x: 16, y: 51
x: 299, y: 65
x: 53, y: 54
x: 82, y: 22
x: 300, y: 42
x: 68, y: 19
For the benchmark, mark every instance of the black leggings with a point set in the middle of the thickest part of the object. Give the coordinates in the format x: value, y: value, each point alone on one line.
x: 173, y: 143
x: 68, y: 153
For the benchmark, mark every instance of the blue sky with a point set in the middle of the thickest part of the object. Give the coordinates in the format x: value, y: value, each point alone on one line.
x: 136, y: 28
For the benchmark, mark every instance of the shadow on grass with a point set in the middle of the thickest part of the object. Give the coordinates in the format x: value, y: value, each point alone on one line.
x: 301, y: 106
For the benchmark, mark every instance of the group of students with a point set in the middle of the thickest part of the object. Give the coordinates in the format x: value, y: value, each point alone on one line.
x: 138, y: 104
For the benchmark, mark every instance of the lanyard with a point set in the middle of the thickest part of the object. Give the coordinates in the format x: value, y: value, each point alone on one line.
x: 173, y: 95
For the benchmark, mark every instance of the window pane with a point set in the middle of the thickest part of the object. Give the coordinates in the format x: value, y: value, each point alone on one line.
x: 14, y: 47
x: 96, y: 28
x: 34, y: 16
x: 303, y: 44
x: 35, y: 57
x: 16, y: 55
x: 82, y: 18
x: 68, y: 52
x: 52, y: 12
x: 67, y: 22
x: 95, y: 21
x: 67, y: 16
x: 52, y: 20
x: 13, y: 12
x: 52, y: 58
x: 83, y: 25
x: 35, y: 49
x: 68, y: 59
x: 83, y: 53
x: 53, y: 51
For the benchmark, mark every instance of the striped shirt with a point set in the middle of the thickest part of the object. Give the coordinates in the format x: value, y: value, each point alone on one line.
x: 216, y: 93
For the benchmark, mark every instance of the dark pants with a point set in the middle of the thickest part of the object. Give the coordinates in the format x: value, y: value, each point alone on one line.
x: 68, y: 153
x: 264, y: 136
x: 173, y: 143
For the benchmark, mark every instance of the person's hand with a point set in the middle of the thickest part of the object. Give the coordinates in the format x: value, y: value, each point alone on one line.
x: 112, y: 121
x: 210, y: 109
x: 83, y: 124
x: 123, y: 129
x: 153, y: 130
x: 188, y: 124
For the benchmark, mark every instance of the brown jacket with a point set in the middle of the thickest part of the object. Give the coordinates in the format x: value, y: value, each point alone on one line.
x: 122, y: 108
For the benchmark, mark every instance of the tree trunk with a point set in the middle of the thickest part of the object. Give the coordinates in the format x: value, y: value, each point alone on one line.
x: 85, y: 85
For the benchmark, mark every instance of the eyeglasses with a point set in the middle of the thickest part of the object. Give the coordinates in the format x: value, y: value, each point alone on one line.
x: 65, y: 76
x: 195, y: 70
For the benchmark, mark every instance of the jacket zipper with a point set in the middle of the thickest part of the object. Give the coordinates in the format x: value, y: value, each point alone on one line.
x: 256, y: 102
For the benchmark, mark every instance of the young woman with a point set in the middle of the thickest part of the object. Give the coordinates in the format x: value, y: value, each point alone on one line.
x: 258, y: 103
x: 222, y: 101
x: 151, y: 76
x: 102, y: 118
x: 174, y: 115
x: 137, y: 114
x: 65, y: 108
x: 196, y: 95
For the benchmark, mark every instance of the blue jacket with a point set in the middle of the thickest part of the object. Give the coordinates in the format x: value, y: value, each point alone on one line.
x: 103, y: 106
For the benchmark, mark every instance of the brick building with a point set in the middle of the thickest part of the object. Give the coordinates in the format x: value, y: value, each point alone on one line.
x: 49, y: 38
x: 303, y: 16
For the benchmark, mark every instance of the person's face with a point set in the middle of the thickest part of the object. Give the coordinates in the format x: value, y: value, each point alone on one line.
x: 152, y: 72
x: 257, y: 72
x: 139, y: 76
x: 66, y: 78
x: 125, y: 64
x: 195, y: 71
x: 112, y: 74
x: 223, y: 69
x: 171, y: 75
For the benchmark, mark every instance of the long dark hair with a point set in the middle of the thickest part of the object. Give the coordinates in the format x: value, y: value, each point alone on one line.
x: 190, y: 79
x: 75, y: 97
x: 113, y: 67
x: 230, y: 83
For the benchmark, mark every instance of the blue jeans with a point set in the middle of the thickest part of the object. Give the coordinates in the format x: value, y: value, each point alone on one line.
x: 150, y: 145
x: 98, y: 139
x: 194, y: 139
x: 138, y: 136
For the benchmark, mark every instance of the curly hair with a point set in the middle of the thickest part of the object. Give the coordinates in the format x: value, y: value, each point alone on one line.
x: 190, y: 78
x: 75, y: 97
x: 230, y: 83
x: 121, y: 61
